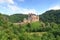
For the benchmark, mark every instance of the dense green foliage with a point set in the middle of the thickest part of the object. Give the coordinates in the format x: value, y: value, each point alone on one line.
x: 48, y: 30
x: 17, y: 17
x: 51, y: 16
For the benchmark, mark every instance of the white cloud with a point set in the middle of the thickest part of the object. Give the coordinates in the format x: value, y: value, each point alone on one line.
x: 15, y: 9
x: 26, y: 11
x: 56, y: 7
x: 2, y: 1
x: 10, y: 1
x: 7, y: 1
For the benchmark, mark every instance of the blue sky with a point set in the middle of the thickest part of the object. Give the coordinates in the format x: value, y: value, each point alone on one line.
x: 28, y: 6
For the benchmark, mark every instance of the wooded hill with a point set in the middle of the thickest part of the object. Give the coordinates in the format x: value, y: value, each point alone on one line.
x: 31, y: 31
x: 48, y: 16
x: 15, y: 17
x: 51, y: 16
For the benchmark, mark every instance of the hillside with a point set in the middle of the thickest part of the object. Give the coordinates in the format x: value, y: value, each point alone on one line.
x: 48, y: 16
x: 30, y: 31
x: 51, y: 16
x: 17, y: 17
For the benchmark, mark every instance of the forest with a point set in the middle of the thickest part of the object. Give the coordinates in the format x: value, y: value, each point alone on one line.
x: 47, y: 28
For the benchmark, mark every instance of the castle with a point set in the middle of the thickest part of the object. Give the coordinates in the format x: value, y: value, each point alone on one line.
x: 31, y: 18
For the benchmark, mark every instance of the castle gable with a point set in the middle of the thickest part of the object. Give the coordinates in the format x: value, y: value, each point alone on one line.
x: 32, y: 18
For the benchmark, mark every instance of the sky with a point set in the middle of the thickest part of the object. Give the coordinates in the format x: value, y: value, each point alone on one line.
x: 28, y: 6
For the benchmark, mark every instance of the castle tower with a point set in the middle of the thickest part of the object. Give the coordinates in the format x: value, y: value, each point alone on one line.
x: 33, y: 17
